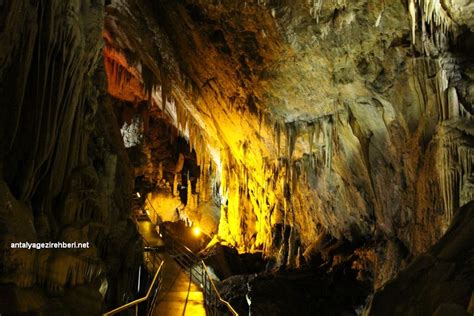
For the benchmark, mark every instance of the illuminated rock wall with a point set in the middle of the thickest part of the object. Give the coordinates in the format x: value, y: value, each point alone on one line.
x: 351, y: 119
x: 347, y: 119
x: 340, y: 118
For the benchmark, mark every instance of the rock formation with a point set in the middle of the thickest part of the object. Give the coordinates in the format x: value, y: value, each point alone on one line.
x: 306, y: 111
x: 292, y: 129
x: 439, y: 282
x: 64, y: 173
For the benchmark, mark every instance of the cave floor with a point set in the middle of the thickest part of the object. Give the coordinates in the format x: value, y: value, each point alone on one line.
x: 178, y: 296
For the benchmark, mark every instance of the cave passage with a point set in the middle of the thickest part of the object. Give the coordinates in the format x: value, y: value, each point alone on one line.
x: 260, y: 157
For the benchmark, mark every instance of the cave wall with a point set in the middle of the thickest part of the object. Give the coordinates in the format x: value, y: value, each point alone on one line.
x: 347, y: 119
x: 438, y: 282
x: 351, y: 119
x: 64, y: 172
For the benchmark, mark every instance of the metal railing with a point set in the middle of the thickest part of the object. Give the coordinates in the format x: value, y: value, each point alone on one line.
x: 200, y: 274
x: 151, y: 293
x: 214, y: 301
x: 196, y: 268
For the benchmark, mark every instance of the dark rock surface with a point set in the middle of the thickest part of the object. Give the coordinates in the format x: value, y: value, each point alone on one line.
x: 303, y: 292
x: 226, y: 261
x: 439, y: 282
x: 64, y: 172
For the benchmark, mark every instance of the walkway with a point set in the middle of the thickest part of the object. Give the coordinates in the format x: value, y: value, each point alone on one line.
x: 177, y: 295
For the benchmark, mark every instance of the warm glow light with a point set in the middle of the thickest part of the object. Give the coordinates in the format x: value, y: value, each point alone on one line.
x: 138, y: 194
x: 196, y: 231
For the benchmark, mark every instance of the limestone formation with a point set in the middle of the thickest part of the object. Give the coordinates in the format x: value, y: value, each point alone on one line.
x: 321, y: 135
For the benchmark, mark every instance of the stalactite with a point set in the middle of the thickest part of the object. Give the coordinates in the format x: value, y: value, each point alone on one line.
x: 453, y: 103
x: 291, y: 136
x: 466, y: 160
x: 69, y: 271
x: 327, y: 128
x: 175, y: 185
x: 316, y: 9
x: 190, y: 200
x: 441, y: 86
x: 120, y: 75
x: 412, y: 12
x: 291, y: 247
x: 455, y: 170
x: 165, y: 86
x: 432, y: 13
x: 70, y: 79
x: 149, y: 81
x: 278, y: 137
x: 311, y: 132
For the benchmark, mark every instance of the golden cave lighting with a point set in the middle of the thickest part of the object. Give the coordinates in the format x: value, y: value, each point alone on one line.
x: 196, y: 231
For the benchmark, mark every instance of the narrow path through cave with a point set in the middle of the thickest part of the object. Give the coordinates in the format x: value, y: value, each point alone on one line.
x: 263, y: 157
x: 176, y: 296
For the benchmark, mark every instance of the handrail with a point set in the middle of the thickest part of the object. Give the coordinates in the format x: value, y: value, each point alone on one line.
x: 139, y: 300
x: 160, y: 220
x: 188, y: 253
x: 231, y: 309
x: 196, y: 259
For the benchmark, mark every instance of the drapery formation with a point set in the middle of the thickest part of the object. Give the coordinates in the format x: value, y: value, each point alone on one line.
x: 334, y: 118
x: 60, y: 157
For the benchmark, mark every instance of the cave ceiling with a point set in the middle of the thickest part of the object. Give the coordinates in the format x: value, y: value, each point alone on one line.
x: 307, y: 109
x: 351, y: 119
x: 304, y: 125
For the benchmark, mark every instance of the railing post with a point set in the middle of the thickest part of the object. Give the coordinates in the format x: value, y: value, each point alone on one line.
x: 203, y: 279
x: 136, y: 302
x: 188, y: 260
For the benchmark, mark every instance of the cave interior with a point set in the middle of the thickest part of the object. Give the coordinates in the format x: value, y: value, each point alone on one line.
x: 320, y: 151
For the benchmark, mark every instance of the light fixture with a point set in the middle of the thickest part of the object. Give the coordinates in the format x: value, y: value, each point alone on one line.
x: 138, y: 194
x: 196, y: 231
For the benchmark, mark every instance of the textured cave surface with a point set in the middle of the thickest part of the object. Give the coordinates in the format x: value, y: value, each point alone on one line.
x: 440, y: 281
x: 325, y: 136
